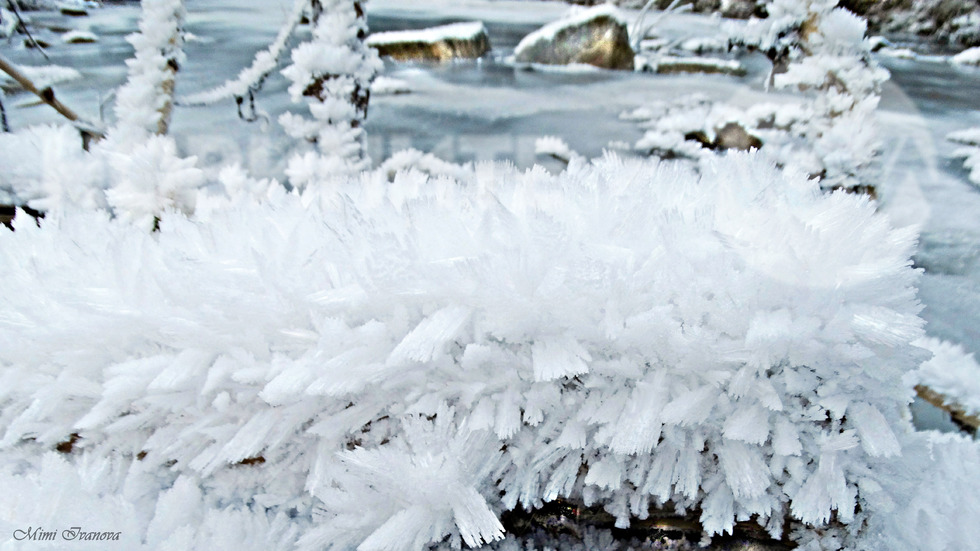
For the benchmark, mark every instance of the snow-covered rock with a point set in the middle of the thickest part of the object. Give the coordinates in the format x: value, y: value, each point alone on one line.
x: 596, y: 36
x: 968, y: 57
x: 707, y: 65
x: 79, y: 37
x: 444, y: 43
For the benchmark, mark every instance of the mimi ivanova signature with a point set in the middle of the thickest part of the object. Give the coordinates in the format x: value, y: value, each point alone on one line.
x: 75, y: 533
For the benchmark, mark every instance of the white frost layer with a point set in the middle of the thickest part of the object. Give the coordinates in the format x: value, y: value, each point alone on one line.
x: 548, y: 32
x: 410, y: 355
x: 968, y: 57
x: 454, y: 31
x: 951, y: 372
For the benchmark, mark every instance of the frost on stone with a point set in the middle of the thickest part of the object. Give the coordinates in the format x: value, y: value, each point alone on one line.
x: 399, y: 359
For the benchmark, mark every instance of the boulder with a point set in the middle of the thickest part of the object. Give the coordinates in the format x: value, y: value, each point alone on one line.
x: 444, y: 43
x: 730, y: 136
x: 596, y: 36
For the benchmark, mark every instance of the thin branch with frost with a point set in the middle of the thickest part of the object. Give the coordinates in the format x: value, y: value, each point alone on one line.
x: 640, y: 31
x: 14, y: 5
x: 47, y: 96
x: 331, y: 74
x: 144, y: 103
x: 252, y: 77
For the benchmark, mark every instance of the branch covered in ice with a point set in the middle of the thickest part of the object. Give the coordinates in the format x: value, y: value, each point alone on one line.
x: 331, y: 74
x: 144, y: 102
x: 262, y: 66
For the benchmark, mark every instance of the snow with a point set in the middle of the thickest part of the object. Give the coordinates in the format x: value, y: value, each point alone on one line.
x: 454, y: 31
x: 970, y: 56
x: 386, y: 86
x: 970, y: 136
x: 703, y: 63
x: 554, y: 146
x: 971, y: 153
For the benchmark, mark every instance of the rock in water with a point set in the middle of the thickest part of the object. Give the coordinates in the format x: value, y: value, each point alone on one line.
x: 455, y: 41
x: 734, y: 136
x: 79, y: 37
x: 595, y: 36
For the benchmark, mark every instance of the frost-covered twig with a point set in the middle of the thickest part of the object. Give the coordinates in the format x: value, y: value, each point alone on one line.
x: 15, y: 6
x: 331, y: 74
x: 47, y: 96
x: 144, y: 103
x: 640, y: 31
x: 251, y: 78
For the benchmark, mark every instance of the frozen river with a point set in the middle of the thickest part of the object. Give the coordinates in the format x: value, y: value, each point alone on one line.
x: 480, y: 110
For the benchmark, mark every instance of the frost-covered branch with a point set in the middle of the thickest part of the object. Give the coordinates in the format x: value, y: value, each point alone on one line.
x: 15, y: 6
x: 398, y: 362
x: 144, y: 103
x: 820, y: 51
x: 331, y: 74
x: 265, y: 63
x: 47, y: 96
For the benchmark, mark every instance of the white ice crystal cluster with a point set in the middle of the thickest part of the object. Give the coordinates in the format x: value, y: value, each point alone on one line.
x: 331, y: 74
x: 46, y: 168
x: 387, y: 364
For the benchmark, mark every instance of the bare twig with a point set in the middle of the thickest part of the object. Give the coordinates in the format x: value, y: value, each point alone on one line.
x: 47, y: 96
x: 14, y: 5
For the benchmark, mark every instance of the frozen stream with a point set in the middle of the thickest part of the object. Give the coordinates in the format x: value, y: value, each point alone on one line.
x: 479, y: 110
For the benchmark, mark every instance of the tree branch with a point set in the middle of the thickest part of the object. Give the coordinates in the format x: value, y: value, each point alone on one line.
x: 14, y: 5
x: 47, y: 96
x: 252, y: 77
